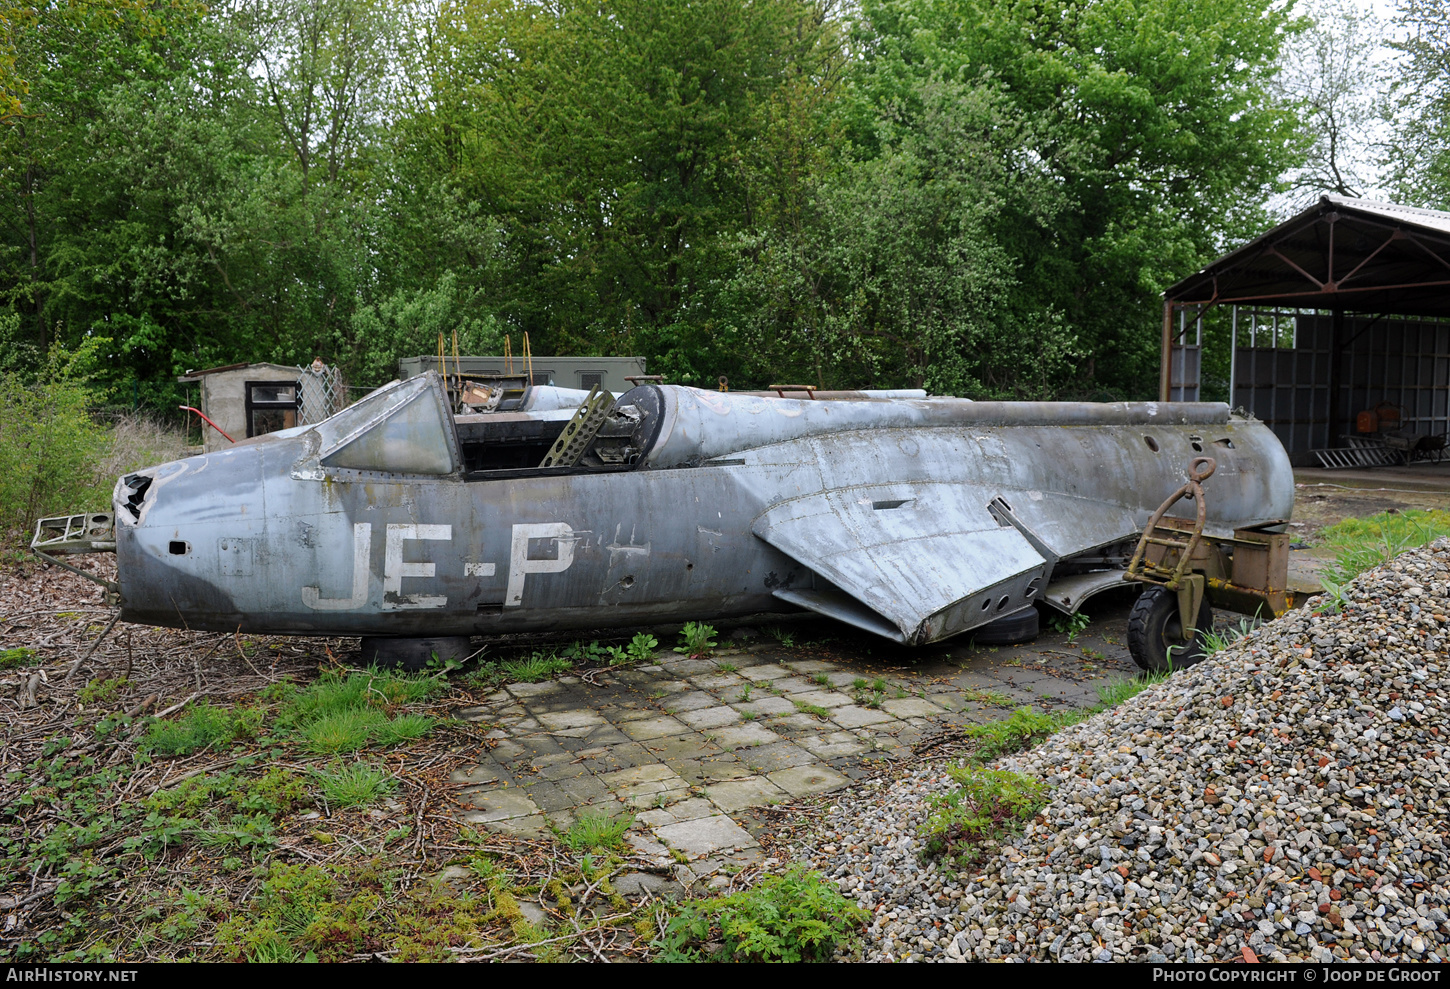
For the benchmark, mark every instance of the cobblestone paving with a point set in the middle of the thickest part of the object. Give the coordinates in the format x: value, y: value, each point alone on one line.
x: 687, y: 747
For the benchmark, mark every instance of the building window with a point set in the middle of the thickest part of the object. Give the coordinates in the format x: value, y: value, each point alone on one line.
x: 271, y: 406
x: 588, y: 379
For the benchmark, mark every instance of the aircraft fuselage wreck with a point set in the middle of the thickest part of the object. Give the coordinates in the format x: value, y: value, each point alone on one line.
x: 915, y: 519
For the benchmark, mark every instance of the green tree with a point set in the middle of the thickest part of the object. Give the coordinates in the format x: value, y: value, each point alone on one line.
x: 1332, y: 78
x: 1154, y: 120
x: 898, y: 278
x: 607, y: 139
x: 1418, y: 157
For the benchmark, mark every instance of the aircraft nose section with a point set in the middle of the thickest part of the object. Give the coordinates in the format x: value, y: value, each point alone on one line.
x: 178, y: 525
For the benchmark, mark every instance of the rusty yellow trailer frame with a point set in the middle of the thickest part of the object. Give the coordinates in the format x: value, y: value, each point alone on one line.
x: 1246, y: 573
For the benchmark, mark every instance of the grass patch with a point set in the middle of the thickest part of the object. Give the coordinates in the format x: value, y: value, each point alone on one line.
x: 536, y: 668
x: 1362, y: 544
x: 357, y: 728
x: 595, y: 832
x: 306, y: 913
x: 339, y: 713
x: 869, y: 695
x: 225, y: 864
x: 1218, y: 641
x: 1113, y: 694
x: 358, y: 784
x: 799, y: 916
x: 993, y: 697
x: 990, y: 804
x: 786, y: 639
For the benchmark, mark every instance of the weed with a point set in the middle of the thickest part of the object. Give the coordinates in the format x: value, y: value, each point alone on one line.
x: 798, y: 916
x: 11, y: 659
x: 822, y: 679
x: 617, y: 655
x: 728, y: 667
x: 749, y: 715
x: 1093, y: 654
x: 988, y: 804
x: 101, y: 691
x: 1333, y: 597
x: 745, y: 694
x: 786, y: 639
x: 242, y: 833
x: 696, y: 640
x: 1113, y: 694
x: 1217, y: 641
x: 343, y: 714
x: 642, y: 646
x: 276, y: 792
x: 342, y: 731
x: 1071, y: 625
x: 580, y: 652
x: 869, y: 695
x: 443, y: 667
x: 994, y: 697
x: 200, y: 727
x: 356, y: 784
x: 595, y: 831
x: 538, y: 667
x: 814, y: 709
x: 1022, y: 730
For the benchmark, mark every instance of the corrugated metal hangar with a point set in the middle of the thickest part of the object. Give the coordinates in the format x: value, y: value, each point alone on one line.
x: 1339, y: 325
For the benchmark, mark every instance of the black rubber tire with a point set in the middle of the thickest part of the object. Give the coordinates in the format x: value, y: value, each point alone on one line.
x: 413, y: 654
x: 1009, y: 630
x: 1154, y: 627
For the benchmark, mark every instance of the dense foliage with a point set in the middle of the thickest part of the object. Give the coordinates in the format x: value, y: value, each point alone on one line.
x: 980, y: 196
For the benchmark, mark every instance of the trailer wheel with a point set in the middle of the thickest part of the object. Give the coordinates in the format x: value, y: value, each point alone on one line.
x: 413, y: 654
x: 1155, y: 632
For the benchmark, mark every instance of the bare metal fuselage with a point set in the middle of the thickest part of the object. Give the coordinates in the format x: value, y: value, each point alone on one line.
x: 915, y: 519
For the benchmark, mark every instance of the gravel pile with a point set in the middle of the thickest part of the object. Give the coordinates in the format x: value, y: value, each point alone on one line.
x: 1284, y: 800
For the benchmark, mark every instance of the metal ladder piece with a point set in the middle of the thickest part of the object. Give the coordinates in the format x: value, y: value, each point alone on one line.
x: 580, y: 431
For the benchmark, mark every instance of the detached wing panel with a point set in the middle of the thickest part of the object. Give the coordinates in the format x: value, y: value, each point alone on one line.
x: 928, y: 558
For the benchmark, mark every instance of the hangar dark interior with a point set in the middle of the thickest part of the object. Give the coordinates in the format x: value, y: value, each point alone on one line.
x: 1339, y: 321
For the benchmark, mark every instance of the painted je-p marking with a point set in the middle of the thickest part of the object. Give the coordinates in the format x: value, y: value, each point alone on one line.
x: 520, y: 564
x: 395, y: 568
